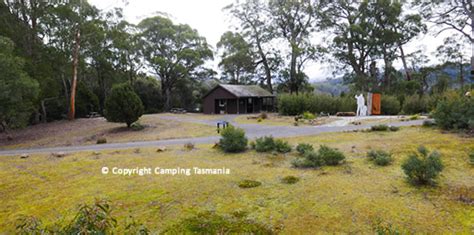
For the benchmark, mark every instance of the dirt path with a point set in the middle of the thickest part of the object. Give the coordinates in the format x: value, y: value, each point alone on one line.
x: 252, y: 131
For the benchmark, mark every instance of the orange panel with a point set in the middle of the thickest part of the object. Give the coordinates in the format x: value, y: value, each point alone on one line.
x: 376, y: 104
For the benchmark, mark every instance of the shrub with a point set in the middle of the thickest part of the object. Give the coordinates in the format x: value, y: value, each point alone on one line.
x: 455, y: 112
x: 330, y: 156
x: 101, y: 140
x: 390, y: 105
x: 233, y: 140
x: 123, y: 105
x: 189, y: 146
x: 136, y: 126
x: 381, y: 127
x: 95, y: 219
x: 265, y: 144
x: 428, y: 123
x: 212, y: 223
x: 259, y: 119
x: 422, y: 167
x: 249, y: 184
x: 380, y: 157
x: 310, y: 159
x: 415, y: 104
x: 290, y: 179
x: 394, y: 128
x: 303, y: 148
x: 263, y: 115
x: 282, y: 146
x: 308, y: 116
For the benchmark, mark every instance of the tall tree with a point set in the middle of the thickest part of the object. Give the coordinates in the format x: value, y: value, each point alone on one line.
x: 237, y: 60
x: 17, y: 90
x: 174, y: 51
x: 254, y: 16
x: 294, y: 21
x: 452, y: 52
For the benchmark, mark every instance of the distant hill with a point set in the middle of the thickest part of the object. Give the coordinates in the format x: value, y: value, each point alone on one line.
x: 331, y: 86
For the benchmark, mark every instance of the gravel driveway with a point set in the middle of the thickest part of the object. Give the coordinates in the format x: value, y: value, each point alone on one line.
x: 251, y: 130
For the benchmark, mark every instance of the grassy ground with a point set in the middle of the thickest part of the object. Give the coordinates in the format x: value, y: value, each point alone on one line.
x: 345, y: 199
x: 87, y: 131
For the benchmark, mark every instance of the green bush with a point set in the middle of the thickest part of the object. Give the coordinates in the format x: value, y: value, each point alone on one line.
x: 415, y: 104
x: 422, y: 167
x: 101, y: 140
x: 309, y: 159
x: 264, y: 144
x: 290, y: 179
x: 212, y: 223
x: 282, y: 146
x: 471, y: 158
x: 455, y: 112
x: 291, y: 104
x: 308, y: 116
x: 330, y: 156
x: 303, y: 148
x: 394, y: 128
x: 428, y: 123
x: 390, y: 105
x: 123, y: 105
x: 233, y: 140
x: 249, y: 184
x: 136, y: 126
x: 381, y: 127
x: 380, y: 157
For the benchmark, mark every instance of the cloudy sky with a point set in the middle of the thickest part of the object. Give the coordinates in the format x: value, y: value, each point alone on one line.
x: 211, y: 22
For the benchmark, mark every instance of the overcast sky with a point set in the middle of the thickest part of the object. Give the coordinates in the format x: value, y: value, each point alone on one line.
x: 207, y: 17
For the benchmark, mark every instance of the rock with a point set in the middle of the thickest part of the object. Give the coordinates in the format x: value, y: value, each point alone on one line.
x: 161, y: 149
x: 24, y: 155
x: 59, y: 154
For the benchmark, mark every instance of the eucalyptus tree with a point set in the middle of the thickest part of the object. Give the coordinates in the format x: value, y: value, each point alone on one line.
x: 254, y: 19
x: 452, y: 51
x: 294, y: 21
x: 237, y: 60
x: 174, y: 52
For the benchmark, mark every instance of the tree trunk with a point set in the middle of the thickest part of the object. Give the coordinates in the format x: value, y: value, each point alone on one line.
x: 461, y: 77
x: 75, y: 62
x: 405, y: 67
x: 293, y: 85
x: 43, y: 111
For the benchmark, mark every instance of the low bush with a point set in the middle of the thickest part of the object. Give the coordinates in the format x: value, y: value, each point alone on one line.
x: 249, y: 184
x: 101, y: 140
x: 189, y: 146
x: 324, y: 156
x: 263, y: 115
x: 422, y: 167
x: 330, y: 156
x: 290, y: 179
x: 415, y: 104
x: 394, y: 128
x: 264, y: 144
x: 90, y: 219
x: 309, y: 159
x: 282, y: 146
x: 212, y: 223
x: 455, y: 111
x: 390, y: 105
x: 233, y: 140
x: 381, y: 127
x: 303, y: 148
x: 136, y: 126
x: 380, y: 157
x: 428, y: 123
x: 308, y: 116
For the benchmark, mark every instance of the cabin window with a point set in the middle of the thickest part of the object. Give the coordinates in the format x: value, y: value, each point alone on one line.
x: 250, y: 100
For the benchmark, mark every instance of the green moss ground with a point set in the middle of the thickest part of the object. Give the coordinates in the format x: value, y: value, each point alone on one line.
x: 349, y: 198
